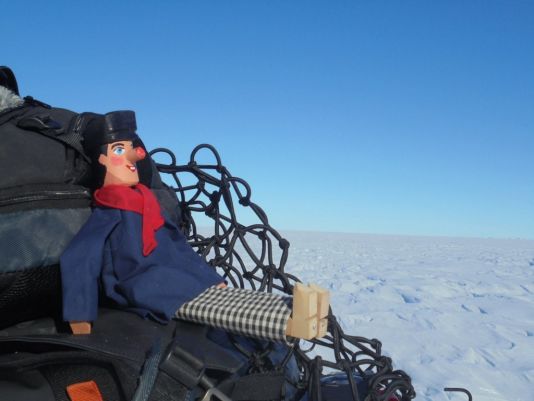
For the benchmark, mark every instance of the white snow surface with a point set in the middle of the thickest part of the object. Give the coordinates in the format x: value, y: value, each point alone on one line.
x: 451, y: 312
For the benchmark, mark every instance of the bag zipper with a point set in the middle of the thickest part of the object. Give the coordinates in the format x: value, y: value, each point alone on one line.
x: 65, y: 342
x: 81, y: 193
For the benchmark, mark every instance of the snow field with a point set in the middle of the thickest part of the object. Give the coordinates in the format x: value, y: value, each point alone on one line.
x: 451, y: 312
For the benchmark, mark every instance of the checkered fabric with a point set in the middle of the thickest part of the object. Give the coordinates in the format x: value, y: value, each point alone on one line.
x: 236, y: 310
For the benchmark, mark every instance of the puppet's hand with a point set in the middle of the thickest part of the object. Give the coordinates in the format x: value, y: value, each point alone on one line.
x: 80, y: 327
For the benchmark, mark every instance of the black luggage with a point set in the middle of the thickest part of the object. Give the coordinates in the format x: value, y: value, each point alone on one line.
x: 43, y: 203
x: 128, y: 358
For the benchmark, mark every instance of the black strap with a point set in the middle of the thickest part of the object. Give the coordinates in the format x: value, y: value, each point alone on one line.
x: 29, y: 100
x: 148, y: 376
x: 29, y: 104
x: 42, y: 123
x: 37, y: 116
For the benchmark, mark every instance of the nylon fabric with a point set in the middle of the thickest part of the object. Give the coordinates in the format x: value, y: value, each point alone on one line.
x: 259, y: 387
x: 113, y: 357
x: 33, y: 147
x: 25, y: 386
x: 28, y: 294
x: 26, y: 239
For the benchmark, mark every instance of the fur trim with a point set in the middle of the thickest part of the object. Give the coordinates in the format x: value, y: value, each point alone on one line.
x: 8, y: 99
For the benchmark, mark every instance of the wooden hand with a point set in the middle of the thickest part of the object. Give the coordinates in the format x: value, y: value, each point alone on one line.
x: 80, y: 327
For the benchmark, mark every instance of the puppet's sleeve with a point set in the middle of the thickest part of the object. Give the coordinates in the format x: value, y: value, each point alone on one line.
x: 81, y: 266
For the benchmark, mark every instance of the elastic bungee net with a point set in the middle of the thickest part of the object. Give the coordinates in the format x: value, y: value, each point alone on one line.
x: 254, y: 256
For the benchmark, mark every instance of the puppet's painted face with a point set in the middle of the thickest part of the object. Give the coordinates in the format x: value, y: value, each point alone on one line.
x: 120, y: 163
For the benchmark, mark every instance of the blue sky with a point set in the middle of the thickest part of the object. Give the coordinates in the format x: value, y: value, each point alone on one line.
x: 409, y: 117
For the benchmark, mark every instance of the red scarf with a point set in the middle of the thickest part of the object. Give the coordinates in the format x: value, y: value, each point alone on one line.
x: 138, y: 199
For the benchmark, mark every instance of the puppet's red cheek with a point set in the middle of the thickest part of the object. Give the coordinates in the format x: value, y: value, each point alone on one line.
x: 116, y: 160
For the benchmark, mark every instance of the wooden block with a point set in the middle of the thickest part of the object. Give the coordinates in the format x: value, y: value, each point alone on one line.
x: 323, y: 297
x: 322, y: 328
x: 302, y: 328
x: 305, y: 302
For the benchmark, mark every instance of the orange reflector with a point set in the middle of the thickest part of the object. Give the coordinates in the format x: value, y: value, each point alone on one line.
x: 84, y: 391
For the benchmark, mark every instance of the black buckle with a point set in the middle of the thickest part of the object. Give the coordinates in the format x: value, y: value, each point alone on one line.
x: 189, y: 370
x: 182, y: 366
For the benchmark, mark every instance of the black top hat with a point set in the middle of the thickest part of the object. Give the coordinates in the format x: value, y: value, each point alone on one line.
x: 108, y: 128
x: 8, y: 80
x: 120, y: 126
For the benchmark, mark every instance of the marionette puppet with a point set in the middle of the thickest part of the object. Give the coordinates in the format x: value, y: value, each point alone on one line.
x: 130, y: 252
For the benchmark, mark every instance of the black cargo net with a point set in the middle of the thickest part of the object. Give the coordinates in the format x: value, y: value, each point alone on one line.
x: 254, y: 255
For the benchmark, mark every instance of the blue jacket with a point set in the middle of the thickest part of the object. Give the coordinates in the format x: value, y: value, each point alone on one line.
x: 107, y: 252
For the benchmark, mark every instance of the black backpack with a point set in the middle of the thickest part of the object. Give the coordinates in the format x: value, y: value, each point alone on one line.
x: 127, y: 358
x: 43, y: 202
